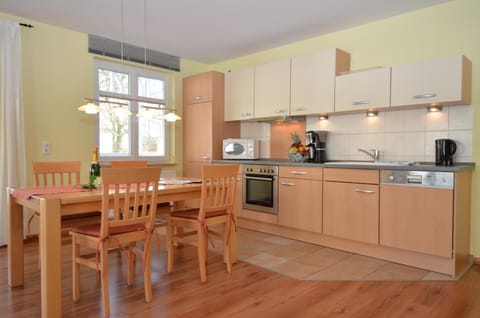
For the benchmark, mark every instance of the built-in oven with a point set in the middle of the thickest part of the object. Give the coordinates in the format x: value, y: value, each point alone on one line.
x: 260, y: 188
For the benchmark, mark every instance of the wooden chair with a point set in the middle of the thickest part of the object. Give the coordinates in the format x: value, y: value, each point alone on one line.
x: 131, y: 193
x: 54, y: 174
x: 216, y: 207
x: 162, y: 207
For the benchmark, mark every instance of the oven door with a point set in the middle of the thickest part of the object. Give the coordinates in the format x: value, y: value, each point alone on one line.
x: 260, y: 193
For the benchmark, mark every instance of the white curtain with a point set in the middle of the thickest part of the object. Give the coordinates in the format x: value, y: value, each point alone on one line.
x: 12, y: 141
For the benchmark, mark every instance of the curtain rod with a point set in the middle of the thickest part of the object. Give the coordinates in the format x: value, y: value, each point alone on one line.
x: 26, y: 25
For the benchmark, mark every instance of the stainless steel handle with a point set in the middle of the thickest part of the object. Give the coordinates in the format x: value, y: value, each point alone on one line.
x: 259, y: 178
x: 198, y: 97
x: 280, y: 111
x: 365, y: 191
x: 300, y: 109
x: 205, y: 157
x: 361, y: 102
x: 245, y: 114
x: 298, y: 172
x: 425, y: 95
x: 287, y: 183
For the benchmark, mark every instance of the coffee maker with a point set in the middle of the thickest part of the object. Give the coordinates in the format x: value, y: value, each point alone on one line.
x: 317, y: 145
x: 444, y: 151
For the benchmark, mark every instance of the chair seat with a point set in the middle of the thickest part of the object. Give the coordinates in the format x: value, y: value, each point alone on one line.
x: 193, y: 214
x: 94, y: 229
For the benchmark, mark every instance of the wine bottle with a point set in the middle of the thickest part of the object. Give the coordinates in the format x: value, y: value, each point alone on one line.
x: 94, y: 167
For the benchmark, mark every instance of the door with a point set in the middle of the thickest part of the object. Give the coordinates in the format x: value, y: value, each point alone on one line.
x: 198, y: 131
x: 239, y: 94
x: 417, y: 219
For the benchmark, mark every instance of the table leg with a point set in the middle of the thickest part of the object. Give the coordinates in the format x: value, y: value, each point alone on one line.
x: 50, y: 258
x: 15, y: 243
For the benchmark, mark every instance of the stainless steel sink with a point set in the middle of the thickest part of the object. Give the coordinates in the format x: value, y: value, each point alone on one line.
x: 371, y: 163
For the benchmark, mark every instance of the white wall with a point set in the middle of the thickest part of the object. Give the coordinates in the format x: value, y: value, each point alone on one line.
x: 399, y: 135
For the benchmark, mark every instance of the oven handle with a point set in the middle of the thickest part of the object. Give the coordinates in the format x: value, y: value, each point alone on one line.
x: 259, y: 178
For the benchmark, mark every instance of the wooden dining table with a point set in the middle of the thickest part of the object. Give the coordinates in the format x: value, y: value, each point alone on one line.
x: 51, y: 207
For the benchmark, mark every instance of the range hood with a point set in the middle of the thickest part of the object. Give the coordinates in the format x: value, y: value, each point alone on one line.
x: 277, y: 119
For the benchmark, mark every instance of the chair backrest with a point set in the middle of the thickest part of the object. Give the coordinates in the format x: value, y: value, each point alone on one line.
x: 130, y: 164
x: 218, y: 189
x: 51, y: 174
x: 129, y: 197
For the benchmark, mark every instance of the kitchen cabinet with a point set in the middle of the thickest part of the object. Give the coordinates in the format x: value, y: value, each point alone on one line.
x: 313, y: 81
x: 350, y: 205
x: 203, y: 122
x: 417, y: 219
x: 300, y: 198
x: 272, y: 89
x: 362, y: 90
x: 446, y: 81
x: 239, y: 99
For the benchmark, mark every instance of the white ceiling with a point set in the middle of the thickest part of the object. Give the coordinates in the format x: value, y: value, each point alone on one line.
x: 210, y: 31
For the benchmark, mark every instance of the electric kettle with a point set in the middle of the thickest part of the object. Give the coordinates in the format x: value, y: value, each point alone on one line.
x: 444, y: 151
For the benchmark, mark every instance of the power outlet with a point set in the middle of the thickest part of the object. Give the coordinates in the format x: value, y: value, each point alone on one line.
x: 46, y: 147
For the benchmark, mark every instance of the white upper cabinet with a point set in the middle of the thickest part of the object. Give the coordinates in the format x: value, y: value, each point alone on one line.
x: 446, y: 81
x: 313, y: 81
x: 272, y: 89
x: 362, y: 90
x: 239, y: 97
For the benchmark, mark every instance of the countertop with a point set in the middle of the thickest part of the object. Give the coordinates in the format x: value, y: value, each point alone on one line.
x: 350, y: 164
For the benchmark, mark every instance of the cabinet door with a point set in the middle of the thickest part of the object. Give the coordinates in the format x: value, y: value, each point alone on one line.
x: 446, y: 81
x: 300, y: 203
x: 363, y: 90
x: 197, y: 134
x: 313, y: 81
x: 239, y: 94
x: 417, y: 219
x: 350, y: 210
x: 198, y: 88
x: 272, y: 89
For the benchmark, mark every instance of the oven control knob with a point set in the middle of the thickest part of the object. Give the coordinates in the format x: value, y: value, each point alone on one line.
x: 262, y: 170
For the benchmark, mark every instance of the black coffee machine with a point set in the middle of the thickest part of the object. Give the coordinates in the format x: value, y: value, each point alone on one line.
x: 444, y: 151
x: 317, y: 145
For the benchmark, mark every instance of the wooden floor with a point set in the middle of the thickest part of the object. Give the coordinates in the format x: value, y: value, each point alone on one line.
x: 249, y: 291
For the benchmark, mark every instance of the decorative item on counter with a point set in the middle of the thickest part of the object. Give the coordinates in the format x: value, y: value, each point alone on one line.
x: 297, y: 151
x: 95, y: 171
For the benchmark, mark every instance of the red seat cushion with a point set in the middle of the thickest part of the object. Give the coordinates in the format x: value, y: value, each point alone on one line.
x: 193, y: 214
x: 94, y: 229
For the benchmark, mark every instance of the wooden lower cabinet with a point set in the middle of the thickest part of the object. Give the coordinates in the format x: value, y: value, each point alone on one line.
x: 300, y: 204
x: 417, y: 219
x: 350, y: 211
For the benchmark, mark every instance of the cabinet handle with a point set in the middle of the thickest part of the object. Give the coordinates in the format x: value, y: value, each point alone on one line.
x: 279, y: 111
x: 425, y: 95
x: 298, y: 172
x: 198, y: 97
x: 205, y: 157
x: 361, y: 102
x: 299, y: 109
x: 287, y: 183
x: 245, y: 114
x: 365, y: 191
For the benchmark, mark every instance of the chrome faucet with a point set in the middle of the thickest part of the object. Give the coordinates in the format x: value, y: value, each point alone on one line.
x: 375, y: 154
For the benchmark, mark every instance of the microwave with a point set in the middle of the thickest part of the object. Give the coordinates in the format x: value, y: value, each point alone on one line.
x: 240, y: 148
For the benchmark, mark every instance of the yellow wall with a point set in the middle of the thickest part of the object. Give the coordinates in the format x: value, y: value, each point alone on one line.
x: 444, y: 30
x: 58, y: 73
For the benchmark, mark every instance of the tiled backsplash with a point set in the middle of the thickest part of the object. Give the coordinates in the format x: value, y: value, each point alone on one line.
x: 399, y: 135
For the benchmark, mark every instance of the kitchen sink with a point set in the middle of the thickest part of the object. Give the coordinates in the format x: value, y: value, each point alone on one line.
x: 371, y: 163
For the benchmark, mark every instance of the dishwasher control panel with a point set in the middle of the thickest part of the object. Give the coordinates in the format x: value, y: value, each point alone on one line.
x: 434, y: 179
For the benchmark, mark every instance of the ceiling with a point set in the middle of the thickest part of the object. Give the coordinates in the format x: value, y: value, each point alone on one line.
x: 210, y: 31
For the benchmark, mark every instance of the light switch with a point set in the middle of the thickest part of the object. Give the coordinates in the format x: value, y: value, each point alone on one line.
x: 46, y: 147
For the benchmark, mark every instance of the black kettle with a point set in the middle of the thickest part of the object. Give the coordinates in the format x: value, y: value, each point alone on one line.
x: 444, y: 151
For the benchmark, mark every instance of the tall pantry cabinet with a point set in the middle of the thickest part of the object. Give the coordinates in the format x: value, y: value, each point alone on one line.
x: 203, y: 121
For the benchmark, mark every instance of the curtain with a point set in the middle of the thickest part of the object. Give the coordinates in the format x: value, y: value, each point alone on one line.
x: 12, y: 141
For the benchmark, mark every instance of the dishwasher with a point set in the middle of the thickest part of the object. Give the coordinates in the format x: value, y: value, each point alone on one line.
x: 416, y: 211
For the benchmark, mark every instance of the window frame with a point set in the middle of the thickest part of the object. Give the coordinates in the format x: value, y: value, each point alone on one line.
x: 134, y: 72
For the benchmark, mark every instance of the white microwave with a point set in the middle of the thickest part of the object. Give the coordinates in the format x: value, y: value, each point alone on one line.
x: 240, y: 148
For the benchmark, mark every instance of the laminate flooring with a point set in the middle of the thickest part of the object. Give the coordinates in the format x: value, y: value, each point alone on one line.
x: 250, y: 291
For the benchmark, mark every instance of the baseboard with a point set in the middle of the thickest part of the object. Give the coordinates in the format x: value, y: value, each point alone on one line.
x: 476, y: 260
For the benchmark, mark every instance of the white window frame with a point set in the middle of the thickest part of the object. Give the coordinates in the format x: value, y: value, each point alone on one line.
x: 134, y: 73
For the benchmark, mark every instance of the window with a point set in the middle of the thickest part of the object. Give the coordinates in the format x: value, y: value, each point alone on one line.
x: 131, y: 126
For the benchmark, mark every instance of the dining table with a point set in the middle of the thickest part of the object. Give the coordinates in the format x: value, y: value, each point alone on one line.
x: 51, y: 207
